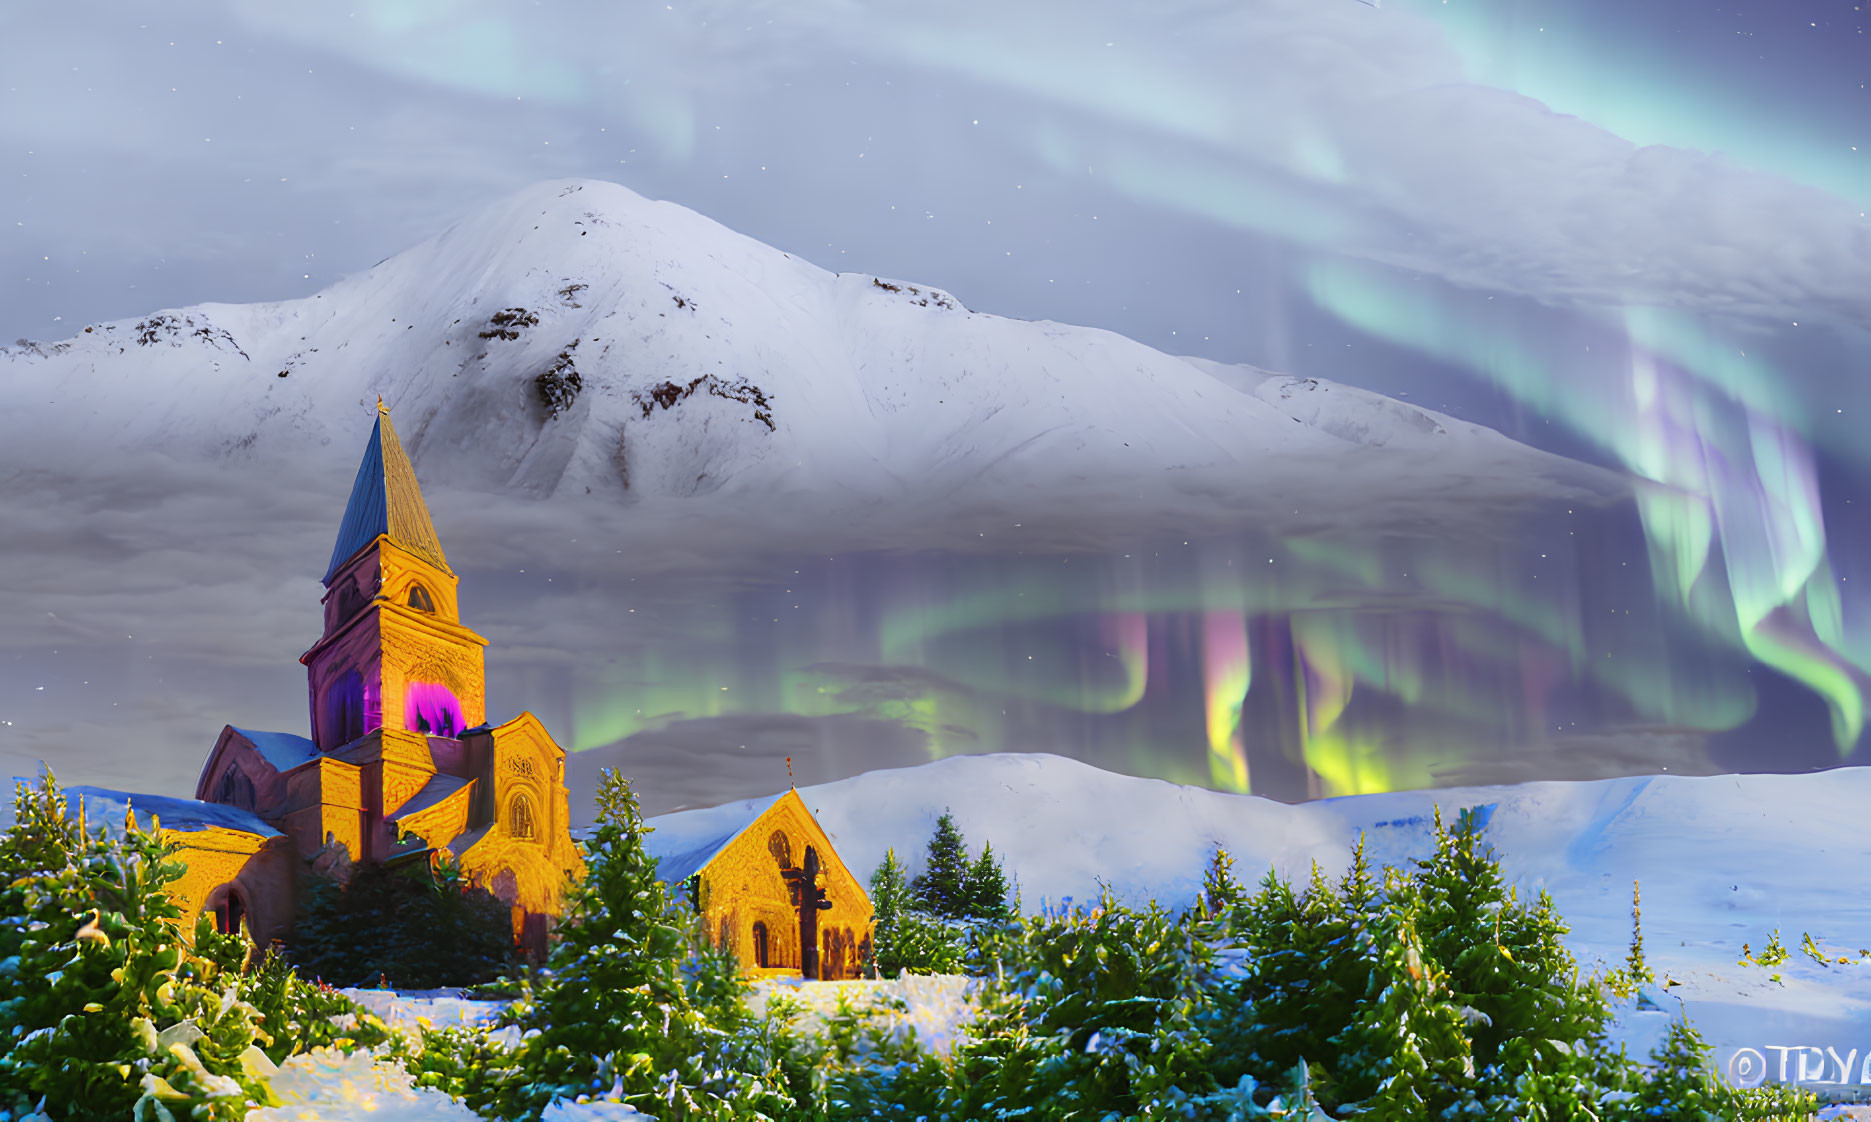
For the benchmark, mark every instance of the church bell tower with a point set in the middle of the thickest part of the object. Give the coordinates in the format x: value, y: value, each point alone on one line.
x: 394, y: 654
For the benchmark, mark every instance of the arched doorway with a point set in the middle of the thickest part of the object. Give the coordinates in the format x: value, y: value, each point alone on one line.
x: 762, y: 952
x: 228, y: 907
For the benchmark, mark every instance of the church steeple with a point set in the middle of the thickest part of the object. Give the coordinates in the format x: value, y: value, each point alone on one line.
x: 385, y: 500
x: 394, y: 654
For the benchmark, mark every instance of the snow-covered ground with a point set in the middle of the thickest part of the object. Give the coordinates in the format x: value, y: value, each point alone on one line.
x: 326, y: 1085
x: 1722, y: 860
x: 931, y: 1011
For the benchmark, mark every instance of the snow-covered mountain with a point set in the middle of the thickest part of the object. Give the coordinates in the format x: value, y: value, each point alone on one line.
x: 577, y: 336
x: 1722, y: 860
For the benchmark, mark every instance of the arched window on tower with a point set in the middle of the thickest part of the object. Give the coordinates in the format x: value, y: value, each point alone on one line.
x: 344, y: 708
x: 419, y: 599
x: 520, y: 816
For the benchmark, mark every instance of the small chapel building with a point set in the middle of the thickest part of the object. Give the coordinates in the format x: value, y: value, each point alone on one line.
x: 768, y: 886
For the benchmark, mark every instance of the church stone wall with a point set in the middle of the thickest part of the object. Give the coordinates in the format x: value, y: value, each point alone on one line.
x: 261, y: 870
x: 743, y: 886
x: 526, y: 855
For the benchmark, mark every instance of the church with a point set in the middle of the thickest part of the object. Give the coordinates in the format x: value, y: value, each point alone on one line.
x: 403, y: 766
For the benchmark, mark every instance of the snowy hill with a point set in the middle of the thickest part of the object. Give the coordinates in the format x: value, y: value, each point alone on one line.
x: 576, y: 335
x: 1722, y: 860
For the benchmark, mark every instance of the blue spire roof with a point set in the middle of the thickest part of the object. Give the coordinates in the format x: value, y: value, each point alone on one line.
x: 385, y: 500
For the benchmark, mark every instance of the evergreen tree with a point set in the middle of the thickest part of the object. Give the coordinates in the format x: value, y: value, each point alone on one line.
x: 1092, y: 1015
x: 986, y: 887
x: 1683, y: 1085
x: 941, y: 888
x: 905, y: 940
x: 419, y: 927
x: 1635, y: 967
x: 635, y: 1003
x: 1503, y: 959
x: 1221, y: 892
x: 1404, y: 1055
x: 890, y: 899
x: 105, y: 1009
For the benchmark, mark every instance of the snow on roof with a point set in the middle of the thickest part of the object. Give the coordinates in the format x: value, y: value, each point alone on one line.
x: 464, y: 842
x: 102, y: 805
x: 685, y: 842
x: 439, y: 787
x: 283, y: 750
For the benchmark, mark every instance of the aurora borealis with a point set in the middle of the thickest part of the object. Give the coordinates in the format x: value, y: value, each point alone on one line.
x: 1634, y: 236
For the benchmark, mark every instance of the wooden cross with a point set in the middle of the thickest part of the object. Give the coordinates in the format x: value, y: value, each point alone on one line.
x: 811, y: 901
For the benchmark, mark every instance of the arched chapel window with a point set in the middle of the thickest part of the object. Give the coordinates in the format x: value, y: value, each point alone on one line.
x: 229, y: 909
x: 419, y: 599
x: 235, y: 789
x: 520, y: 816
x: 781, y: 849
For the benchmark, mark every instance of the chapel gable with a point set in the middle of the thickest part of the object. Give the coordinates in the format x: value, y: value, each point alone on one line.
x: 776, y: 892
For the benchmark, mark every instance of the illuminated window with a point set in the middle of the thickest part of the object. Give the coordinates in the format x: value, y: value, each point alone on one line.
x: 520, y: 816
x: 419, y: 599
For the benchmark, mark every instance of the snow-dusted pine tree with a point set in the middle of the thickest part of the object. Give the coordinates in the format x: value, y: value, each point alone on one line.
x: 634, y: 1004
x: 103, y: 1005
x: 941, y: 888
x: 986, y: 887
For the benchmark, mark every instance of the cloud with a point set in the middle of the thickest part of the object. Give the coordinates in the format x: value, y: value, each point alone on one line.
x: 868, y: 687
x: 1351, y: 130
x: 711, y: 760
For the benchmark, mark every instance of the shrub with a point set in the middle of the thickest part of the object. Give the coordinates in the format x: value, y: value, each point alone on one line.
x: 415, y: 926
x: 508, y: 323
x: 298, y: 1016
x: 1092, y: 1013
x: 558, y: 384
x: 847, y: 1065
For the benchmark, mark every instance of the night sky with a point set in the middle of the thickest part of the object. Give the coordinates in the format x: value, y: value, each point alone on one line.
x: 1634, y: 234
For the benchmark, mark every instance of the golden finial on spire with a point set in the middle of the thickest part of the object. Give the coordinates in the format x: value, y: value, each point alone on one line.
x: 381, y: 408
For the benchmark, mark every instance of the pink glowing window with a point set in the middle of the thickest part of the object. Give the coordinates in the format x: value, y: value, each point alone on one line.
x: 431, y: 709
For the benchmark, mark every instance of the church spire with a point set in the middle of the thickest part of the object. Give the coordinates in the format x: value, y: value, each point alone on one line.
x: 386, y: 500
